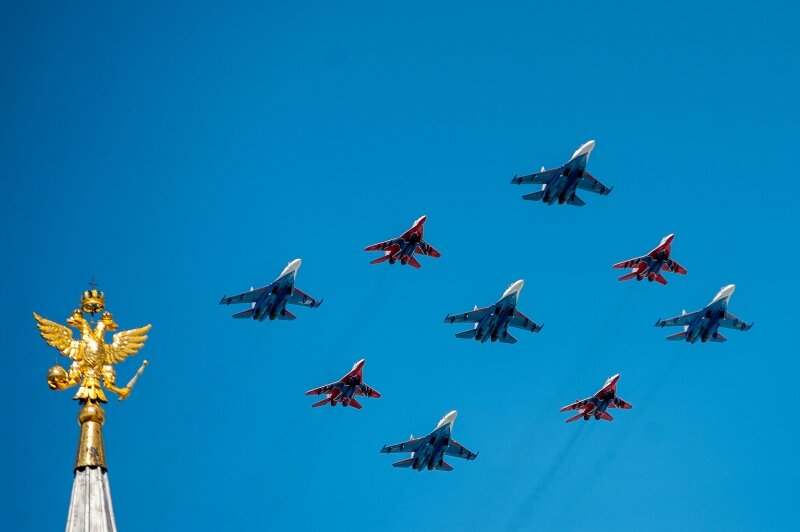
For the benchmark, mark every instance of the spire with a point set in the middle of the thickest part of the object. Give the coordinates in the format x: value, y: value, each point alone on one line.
x: 92, y: 370
x: 90, y: 507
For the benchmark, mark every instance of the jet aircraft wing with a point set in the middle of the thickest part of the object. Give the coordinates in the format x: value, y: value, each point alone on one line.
x: 299, y: 297
x: 542, y: 178
x: 732, y: 322
x: 468, y: 317
x: 587, y: 182
x: 381, y: 246
x: 409, y: 446
x: 328, y: 388
x: 576, y: 405
x: 620, y: 403
x: 246, y: 297
x: 630, y: 263
x: 459, y: 451
x: 521, y: 321
x: 367, y: 391
x: 685, y: 319
x: 674, y: 267
x: 426, y: 249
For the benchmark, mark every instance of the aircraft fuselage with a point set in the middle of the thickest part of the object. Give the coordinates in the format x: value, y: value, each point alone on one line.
x: 562, y: 188
x: 494, y: 325
x: 273, y: 302
x: 431, y: 454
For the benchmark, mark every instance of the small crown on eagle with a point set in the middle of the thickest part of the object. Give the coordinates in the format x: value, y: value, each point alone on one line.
x: 93, y: 301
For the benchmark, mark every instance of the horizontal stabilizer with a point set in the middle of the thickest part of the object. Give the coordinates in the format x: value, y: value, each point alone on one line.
x: 413, y: 262
x: 718, y: 338
x: 444, y: 466
x: 508, y: 339
x: 403, y: 463
x: 606, y: 416
x: 354, y: 403
x: 660, y: 279
x: 534, y: 196
x: 575, y: 418
x: 286, y: 315
x: 466, y: 334
x: 576, y: 201
x: 245, y: 314
x: 627, y: 277
x: 381, y: 259
x: 321, y: 403
x: 677, y: 337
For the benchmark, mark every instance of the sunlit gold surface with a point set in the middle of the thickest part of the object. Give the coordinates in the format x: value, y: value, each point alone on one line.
x: 91, y: 452
x: 92, y: 358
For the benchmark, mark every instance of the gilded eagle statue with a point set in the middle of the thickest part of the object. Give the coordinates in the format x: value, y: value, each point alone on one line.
x: 92, y: 358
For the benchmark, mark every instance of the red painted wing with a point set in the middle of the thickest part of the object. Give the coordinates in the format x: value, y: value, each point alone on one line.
x: 574, y: 406
x: 630, y: 263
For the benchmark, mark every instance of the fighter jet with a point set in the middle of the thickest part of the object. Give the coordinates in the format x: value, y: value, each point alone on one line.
x: 596, y: 405
x: 491, y: 323
x: 650, y: 265
x: 270, y: 301
x: 703, y: 324
x: 404, y: 246
x: 345, y: 389
x: 560, y: 184
x: 429, y: 451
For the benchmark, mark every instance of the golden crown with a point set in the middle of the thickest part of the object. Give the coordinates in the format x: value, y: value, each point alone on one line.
x: 93, y: 301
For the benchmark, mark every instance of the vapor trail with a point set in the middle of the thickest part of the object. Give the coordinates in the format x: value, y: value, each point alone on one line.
x: 547, y: 478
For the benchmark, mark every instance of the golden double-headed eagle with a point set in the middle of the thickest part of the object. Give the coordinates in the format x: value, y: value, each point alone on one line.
x: 92, y: 358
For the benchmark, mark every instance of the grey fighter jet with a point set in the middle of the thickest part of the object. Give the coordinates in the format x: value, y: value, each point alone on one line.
x: 559, y: 184
x: 429, y: 451
x: 491, y: 323
x: 270, y: 301
x: 704, y: 324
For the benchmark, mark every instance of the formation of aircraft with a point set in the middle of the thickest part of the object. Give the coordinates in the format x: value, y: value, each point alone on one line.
x: 270, y: 301
x: 428, y: 452
x: 704, y: 324
x: 650, y: 265
x: 492, y: 322
x: 404, y: 246
x: 560, y: 184
x: 345, y: 390
x: 596, y: 405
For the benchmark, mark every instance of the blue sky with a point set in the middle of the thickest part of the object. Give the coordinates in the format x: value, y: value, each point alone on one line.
x: 178, y: 154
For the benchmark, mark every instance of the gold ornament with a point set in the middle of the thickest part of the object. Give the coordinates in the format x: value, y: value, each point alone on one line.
x: 92, y: 358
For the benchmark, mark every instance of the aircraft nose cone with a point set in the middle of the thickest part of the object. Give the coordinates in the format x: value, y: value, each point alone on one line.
x: 421, y: 219
x: 588, y: 147
x: 728, y: 290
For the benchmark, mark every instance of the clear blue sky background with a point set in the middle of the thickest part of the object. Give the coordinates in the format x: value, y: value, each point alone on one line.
x: 178, y: 154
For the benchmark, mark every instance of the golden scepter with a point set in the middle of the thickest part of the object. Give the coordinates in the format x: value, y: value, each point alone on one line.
x: 132, y: 382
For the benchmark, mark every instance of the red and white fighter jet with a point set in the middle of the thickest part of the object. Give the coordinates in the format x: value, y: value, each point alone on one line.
x: 345, y: 389
x: 403, y: 247
x: 596, y: 405
x: 650, y: 265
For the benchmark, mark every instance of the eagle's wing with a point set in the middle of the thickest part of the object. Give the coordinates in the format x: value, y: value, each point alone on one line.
x: 126, y: 343
x: 57, y: 336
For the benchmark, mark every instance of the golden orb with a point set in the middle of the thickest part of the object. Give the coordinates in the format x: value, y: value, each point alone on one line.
x: 56, y: 376
x: 91, y: 412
